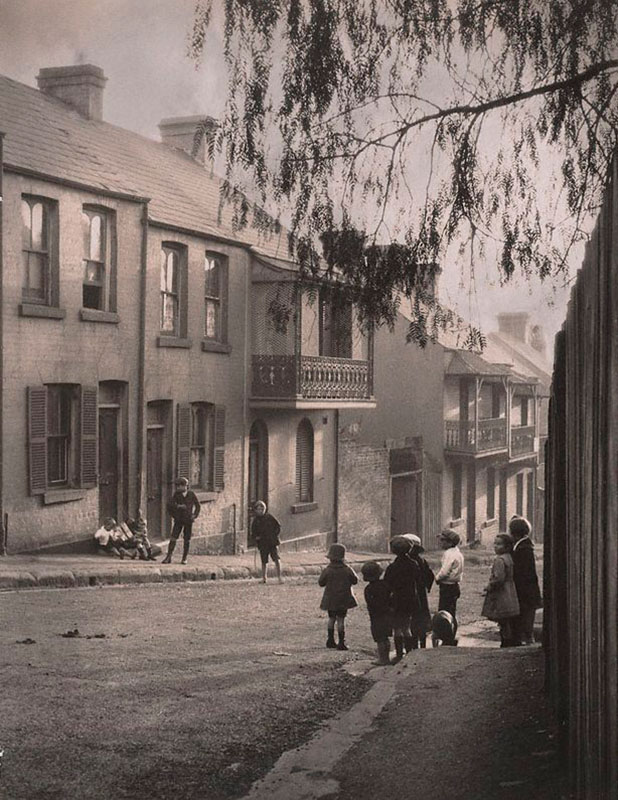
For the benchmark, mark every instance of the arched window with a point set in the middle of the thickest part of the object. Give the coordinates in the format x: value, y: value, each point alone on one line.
x: 304, y: 462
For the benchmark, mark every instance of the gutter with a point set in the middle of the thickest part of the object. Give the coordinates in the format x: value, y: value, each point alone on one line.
x: 141, y: 366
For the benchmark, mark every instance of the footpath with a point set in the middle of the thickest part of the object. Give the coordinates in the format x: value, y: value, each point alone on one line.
x: 68, y: 571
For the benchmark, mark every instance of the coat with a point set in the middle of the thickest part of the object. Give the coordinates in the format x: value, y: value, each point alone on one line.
x: 501, y: 598
x: 402, y: 576
x: 524, y: 575
x: 265, y: 531
x: 338, y: 579
x: 421, y: 620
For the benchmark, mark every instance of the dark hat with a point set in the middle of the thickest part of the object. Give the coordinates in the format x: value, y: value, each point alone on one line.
x: 336, y: 552
x: 182, y: 482
x: 371, y: 569
x: 400, y: 545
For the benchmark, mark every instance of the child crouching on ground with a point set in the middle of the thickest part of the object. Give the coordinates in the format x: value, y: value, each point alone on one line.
x: 139, y: 529
x: 378, y: 599
x: 443, y: 629
x: 501, y: 604
x: 337, y: 579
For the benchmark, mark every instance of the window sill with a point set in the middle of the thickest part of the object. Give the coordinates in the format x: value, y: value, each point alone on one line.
x: 63, y: 496
x: 93, y: 315
x: 35, y: 310
x: 489, y: 522
x: 456, y: 523
x: 173, y: 341
x: 205, y: 496
x: 302, y: 508
x: 210, y: 346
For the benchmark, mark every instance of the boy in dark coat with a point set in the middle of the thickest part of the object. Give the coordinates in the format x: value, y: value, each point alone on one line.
x: 525, y: 579
x: 183, y: 507
x: 337, y: 579
x: 420, y: 624
x: 265, y: 530
x: 402, y: 576
x: 378, y: 599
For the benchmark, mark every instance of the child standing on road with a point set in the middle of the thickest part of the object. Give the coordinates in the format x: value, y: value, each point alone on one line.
x: 525, y: 578
x: 402, y: 577
x: 420, y: 623
x: 184, y: 508
x: 501, y: 604
x: 450, y: 573
x: 265, y: 530
x: 378, y: 599
x: 337, y: 579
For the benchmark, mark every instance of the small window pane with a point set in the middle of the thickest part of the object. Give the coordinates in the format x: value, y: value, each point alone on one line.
x: 57, y: 459
x: 211, y: 273
x: 38, y: 228
x: 26, y: 215
x: 168, y: 313
x: 96, y: 238
x: 212, y: 319
x: 37, y: 270
x: 93, y: 272
x: 197, y: 467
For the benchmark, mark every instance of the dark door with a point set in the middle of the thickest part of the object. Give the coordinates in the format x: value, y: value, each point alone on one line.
x: 108, y: 463
x: 471, y: 503
x: 502, y: 501
x: 154, y: 482
x: 258, y: 464
x: 404, y: 505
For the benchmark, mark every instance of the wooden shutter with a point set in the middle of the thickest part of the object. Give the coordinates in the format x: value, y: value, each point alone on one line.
x: 37, y: 439
x: 183, y: 442
x: 88, y: 438
x: 219, y: 454
x: 304, y: 462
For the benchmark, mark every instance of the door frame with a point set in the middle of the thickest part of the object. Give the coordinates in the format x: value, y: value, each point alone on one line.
x: 117, y: 408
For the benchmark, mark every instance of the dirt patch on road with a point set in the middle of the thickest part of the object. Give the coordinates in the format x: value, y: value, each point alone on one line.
x: 234, y: 753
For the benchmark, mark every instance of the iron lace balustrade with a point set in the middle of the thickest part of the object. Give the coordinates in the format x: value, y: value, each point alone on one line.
x: 522, y: 440
x: 460, y: 435
x: 310, y: 377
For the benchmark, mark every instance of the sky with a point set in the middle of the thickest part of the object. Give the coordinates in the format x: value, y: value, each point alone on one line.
x: 141, y: 46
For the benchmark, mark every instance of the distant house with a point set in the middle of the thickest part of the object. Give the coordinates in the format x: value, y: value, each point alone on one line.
x: 453, y: 441
x: 138, y: 337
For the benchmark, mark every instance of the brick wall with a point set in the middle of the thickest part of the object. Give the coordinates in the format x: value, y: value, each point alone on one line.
x: 364, y: 496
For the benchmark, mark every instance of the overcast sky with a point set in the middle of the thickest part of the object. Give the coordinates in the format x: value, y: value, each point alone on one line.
x: 141, y: 46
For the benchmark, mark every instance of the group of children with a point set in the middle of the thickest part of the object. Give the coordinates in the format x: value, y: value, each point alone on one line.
x: 126, y: 539
x: 398, y: 605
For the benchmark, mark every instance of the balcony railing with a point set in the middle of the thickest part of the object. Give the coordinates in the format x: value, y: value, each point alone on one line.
x: 310, y: 378
x: 522, y: 440
x: 461, y: 435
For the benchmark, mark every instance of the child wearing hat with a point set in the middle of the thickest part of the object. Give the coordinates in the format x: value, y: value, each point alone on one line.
x: 450, y: 573
x: 337, y: 579
x: 525, y: 578
x: 265, y: 530
x: 402, y: 576
x: 184, y: 508
x: 420, y: 624
x: 378, y: 599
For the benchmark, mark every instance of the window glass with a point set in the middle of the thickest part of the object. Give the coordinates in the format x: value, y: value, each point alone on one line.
x: 35, y: 255
x: 214, y: 274
x: 201, y: 446
x: 58, y: 434
x: 169, y: 290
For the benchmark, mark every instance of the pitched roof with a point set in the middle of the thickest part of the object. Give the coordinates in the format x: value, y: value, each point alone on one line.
x: 46, y: 136
x: 521, y: 356
x: 466, y: 362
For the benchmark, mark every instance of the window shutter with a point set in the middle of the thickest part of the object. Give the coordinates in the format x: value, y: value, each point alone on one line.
x: 37, y: 439
x: 88, y: 439
x: 219, y: 457
x: 184, y: 440
x: 304, y: 462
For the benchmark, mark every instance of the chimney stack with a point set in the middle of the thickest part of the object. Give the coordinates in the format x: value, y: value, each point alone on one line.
x: 179, y: 133
x: 515, y: 324
x: 80, y: 86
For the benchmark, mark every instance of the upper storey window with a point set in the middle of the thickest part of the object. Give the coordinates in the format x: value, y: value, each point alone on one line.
x: 215, y: 297
x: 39, y: 250
x: 99, y: 259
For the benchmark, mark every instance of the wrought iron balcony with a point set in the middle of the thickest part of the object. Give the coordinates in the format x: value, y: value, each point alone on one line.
x: 311, y: 378
x: 522, y: 440
x: 460, y: 435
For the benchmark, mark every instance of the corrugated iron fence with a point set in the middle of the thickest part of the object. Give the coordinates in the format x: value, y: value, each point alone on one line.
x: 581, y: 519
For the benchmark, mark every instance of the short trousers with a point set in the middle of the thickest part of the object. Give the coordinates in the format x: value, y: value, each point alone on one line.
x: 381, y: 628
x: 269, y: 551
x: 186, y: 528
x: 341, y: 612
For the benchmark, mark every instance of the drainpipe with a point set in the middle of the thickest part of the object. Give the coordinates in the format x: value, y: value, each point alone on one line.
x: 141, y: 367
x: 2, y: 519
x: 336, y: 503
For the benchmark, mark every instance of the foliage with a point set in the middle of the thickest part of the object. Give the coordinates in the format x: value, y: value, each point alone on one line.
x: 487, y: 124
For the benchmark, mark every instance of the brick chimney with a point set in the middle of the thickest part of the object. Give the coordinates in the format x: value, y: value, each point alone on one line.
x: 80, y: 86
x: 179, y: 133
x: 515, y: 324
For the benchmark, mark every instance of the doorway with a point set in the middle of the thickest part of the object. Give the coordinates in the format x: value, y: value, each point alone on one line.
x: 158, y: 465
x: 404, y: 505
x: 258, y: 464
x: 109, y: 462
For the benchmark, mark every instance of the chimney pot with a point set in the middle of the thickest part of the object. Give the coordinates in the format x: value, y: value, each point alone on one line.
x: 79, y: 86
